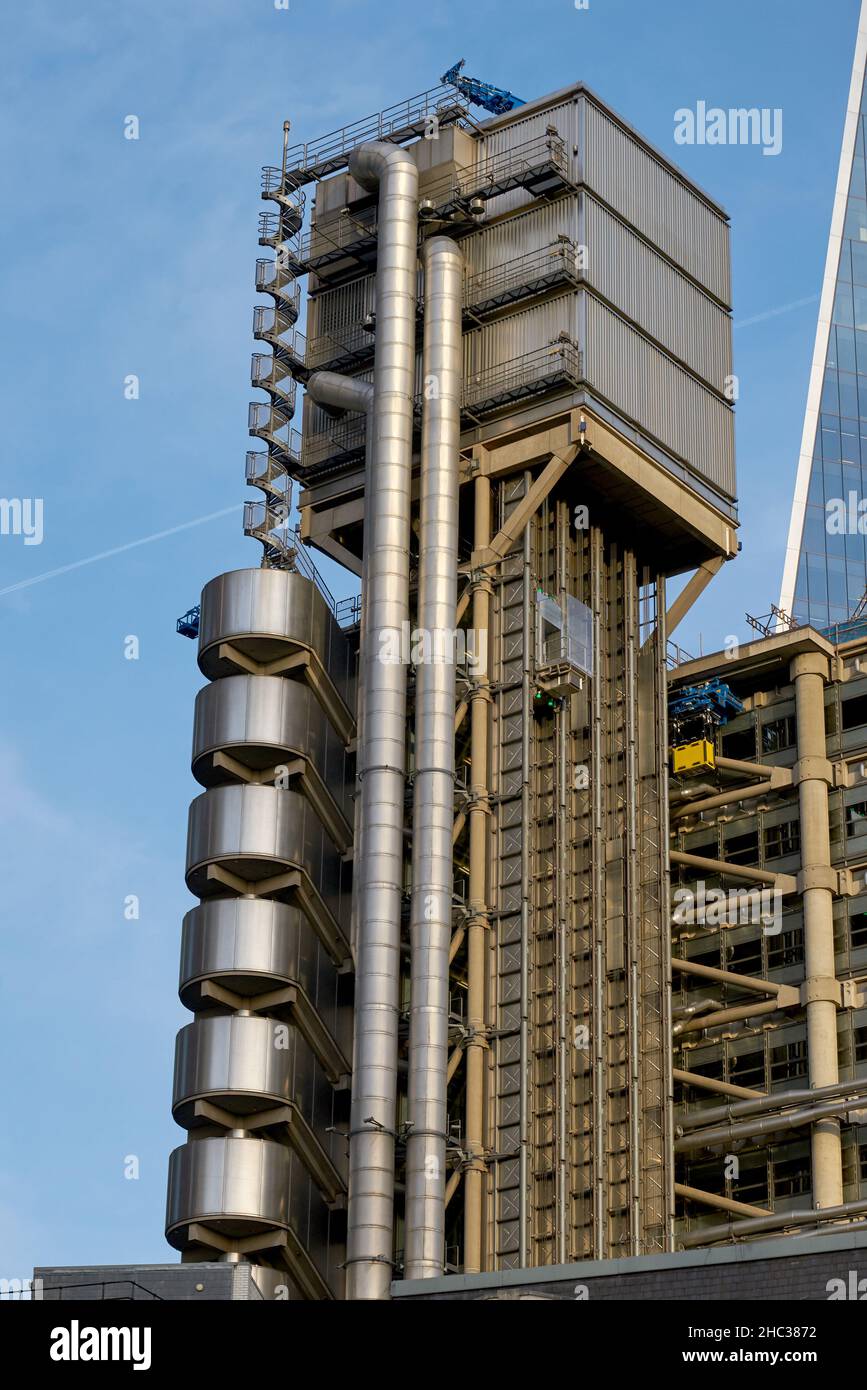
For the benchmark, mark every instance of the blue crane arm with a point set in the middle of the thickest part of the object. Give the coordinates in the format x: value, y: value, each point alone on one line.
x: 494, y: 99
x: 188, y: 625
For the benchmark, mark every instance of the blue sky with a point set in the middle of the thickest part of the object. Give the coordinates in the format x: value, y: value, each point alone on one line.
x: 123, y: 257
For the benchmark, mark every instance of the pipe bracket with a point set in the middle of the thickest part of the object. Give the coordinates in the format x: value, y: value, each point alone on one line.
x: 822, y: 989
x: 814, y: 770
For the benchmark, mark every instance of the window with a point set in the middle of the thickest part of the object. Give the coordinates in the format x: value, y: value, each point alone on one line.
x: 860, y: 1040
x: 858, y: 929
x: 742, y: 849
x: 791, y: 1177
x: 748, y: 1069
x: 739, y: 744
x: 785, y: 949
x: 710, y: 957
x: 782, y: 839
x: 708, y: 1176
x: 856, y: 819
x: 752, y: 1184
x: 745, y: 957
x: 713, y: 1069
x: 862, y: 1162
x: 854, y: 712
x: 789, y: 1061
x: 702, y: 849
x: 779, y: 734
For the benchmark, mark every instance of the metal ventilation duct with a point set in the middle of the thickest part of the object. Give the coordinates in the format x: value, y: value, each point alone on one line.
x: 433, y: 799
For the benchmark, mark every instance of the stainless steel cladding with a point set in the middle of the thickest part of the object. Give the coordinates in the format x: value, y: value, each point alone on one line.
x: 658, y: 396
x: 382, y: 752
x: 434, y: 772
x: 500, y: 243
x: 247, y: 1064
x: 266, y: 611
x: 261, y: 1075
x: 611, y: 159
x: 229, y: 1182
x: 243, y: 1187
x: 263, y: 721
x: 658, y: 202
x: 336, y: 309
x: 651, y: 292
x: 645, y: 386
x: 256, y: 833
x: 255, y: 946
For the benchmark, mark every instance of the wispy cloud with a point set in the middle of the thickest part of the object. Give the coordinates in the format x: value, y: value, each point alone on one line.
x: 774, y: 313
x: 116, y: 550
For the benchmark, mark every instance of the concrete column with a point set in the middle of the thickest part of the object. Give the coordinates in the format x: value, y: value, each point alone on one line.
x: 821, y: 992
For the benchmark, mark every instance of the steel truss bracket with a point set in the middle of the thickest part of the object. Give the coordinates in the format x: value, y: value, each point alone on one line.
x: 298, y: 887
x: 310, y: 784
x: 308, y: 665
x: 294, y: 1002
x: 289, y: 1250
x: 288, y: 1127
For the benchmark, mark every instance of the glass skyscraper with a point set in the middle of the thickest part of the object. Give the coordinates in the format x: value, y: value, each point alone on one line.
x: 825, y: 571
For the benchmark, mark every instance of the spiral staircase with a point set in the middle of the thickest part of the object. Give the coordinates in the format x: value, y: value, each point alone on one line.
x: 276, y: 373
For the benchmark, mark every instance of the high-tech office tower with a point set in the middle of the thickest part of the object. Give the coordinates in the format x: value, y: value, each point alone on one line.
x: 825, y: 573
x: 430, y: 970
x: 769, y: 941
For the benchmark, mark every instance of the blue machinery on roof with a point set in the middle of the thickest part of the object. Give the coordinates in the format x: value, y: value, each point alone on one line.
x: 714, y: 696
x: 493, y: 99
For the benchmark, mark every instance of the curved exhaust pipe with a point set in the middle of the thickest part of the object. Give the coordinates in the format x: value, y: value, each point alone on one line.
x: 381, y: 751
x: 433, y: 793
x: 340, y: 392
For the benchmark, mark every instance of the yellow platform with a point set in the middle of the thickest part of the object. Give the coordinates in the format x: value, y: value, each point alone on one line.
x: 697, y: 756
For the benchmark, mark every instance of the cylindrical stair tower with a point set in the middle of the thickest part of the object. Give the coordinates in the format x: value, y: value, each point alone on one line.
x: 262, y: 1072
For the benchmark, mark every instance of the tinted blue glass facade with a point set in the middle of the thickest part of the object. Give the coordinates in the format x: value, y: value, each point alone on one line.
x: 832, y: 568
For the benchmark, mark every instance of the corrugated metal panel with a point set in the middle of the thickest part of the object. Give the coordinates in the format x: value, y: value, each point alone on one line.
x: 345, y: 306
x: 656, y: 202
x: 520, y: 333
x: 648, y: 289
x: 659, y: 396
x: 531, y: 231
x: 340, y: 308
x: 563, y: 116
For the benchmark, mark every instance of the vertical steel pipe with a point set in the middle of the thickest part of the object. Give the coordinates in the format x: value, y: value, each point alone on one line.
x: 474, y: 1177
x: 382, y: 753
x: 433, y: 790
x: 524, y: 1052
x: 821, y: 990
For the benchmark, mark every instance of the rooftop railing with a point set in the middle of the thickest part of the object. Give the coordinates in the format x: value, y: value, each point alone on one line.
x: 399, y: 122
